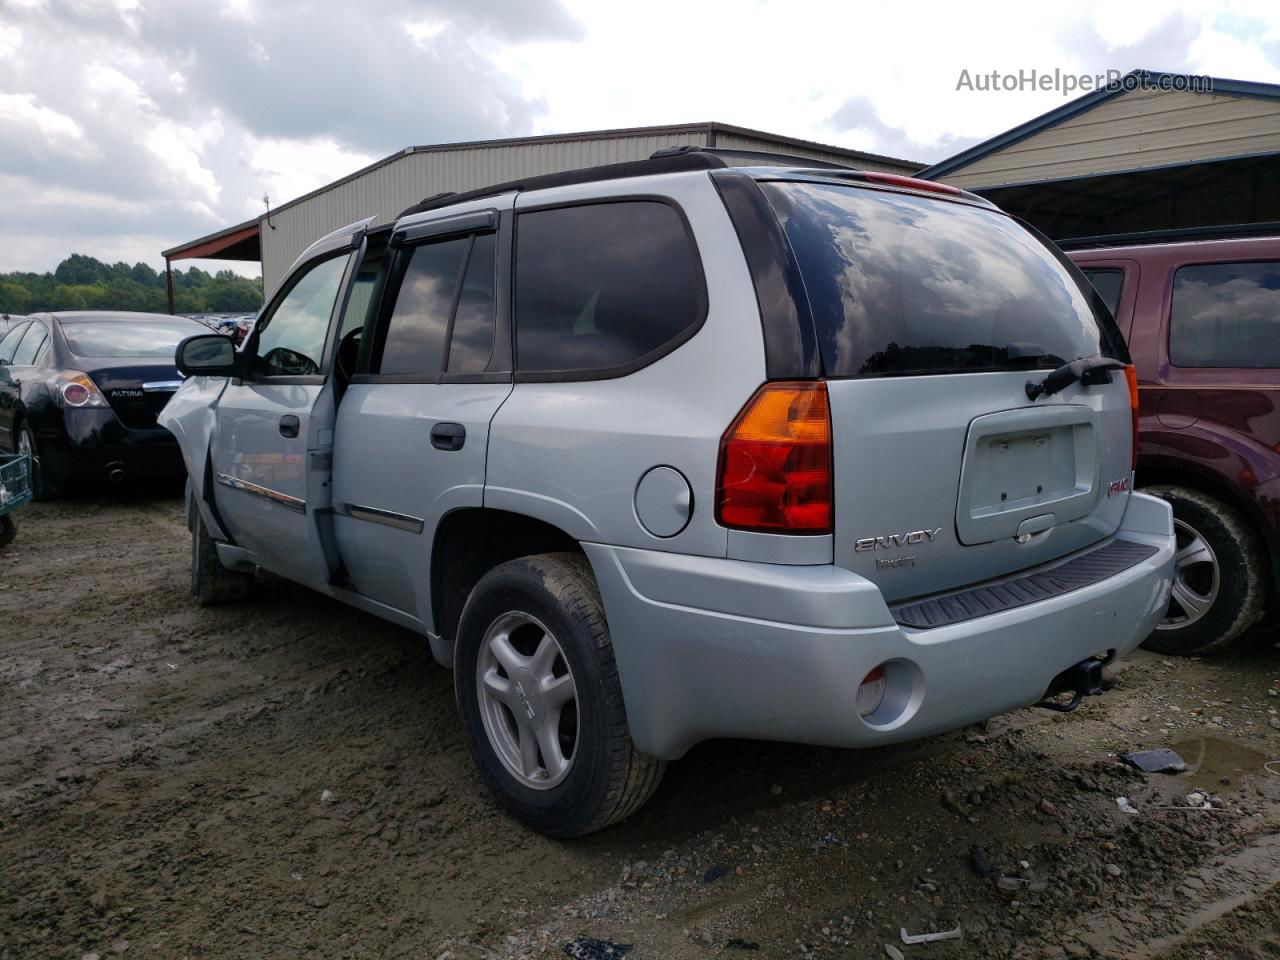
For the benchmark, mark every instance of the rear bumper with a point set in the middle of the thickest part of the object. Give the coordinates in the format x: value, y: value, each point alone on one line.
x: 89, y: 443
x: 708, y: 647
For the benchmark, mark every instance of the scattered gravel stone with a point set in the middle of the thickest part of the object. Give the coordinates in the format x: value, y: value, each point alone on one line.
x: 589, y: 948
x: 1112, y: 870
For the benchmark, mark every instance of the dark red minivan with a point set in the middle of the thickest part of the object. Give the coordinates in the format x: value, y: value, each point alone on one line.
x: 1203, y: 323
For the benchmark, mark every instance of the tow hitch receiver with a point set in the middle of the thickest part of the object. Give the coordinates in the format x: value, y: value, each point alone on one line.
x: 1082, y: 680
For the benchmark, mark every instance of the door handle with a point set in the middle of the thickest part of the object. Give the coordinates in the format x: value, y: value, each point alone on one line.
x: 289, y: 426
x: 448, y: 436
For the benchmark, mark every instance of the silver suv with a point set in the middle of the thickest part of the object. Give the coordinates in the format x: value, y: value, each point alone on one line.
x: 665, y: 451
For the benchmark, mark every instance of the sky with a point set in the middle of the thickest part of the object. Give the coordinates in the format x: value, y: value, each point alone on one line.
x: 128, y: 126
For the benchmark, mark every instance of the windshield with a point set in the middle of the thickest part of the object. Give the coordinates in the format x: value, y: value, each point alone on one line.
x: 128, y: 338
x: 901, y: 284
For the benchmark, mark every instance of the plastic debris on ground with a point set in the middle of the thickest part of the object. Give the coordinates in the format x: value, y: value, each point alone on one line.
x: 1124, y: 806
x: 1162, y: 760
x: 909, y: 938
x: 589, y: 948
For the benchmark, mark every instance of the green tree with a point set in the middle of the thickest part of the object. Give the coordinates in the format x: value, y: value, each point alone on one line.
x: 85, y: 283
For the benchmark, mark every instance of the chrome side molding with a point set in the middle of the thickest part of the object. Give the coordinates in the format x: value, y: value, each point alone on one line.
x: 387, y: 518
x: 275, y: 496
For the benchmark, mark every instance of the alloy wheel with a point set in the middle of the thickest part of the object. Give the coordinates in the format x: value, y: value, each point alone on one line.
x: 1196, y: 579
x: 528, y: 700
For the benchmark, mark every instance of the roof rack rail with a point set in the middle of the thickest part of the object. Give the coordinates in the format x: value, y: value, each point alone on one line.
x: 671, y: 163
x: 764, y: 157
x: 1230, y: 231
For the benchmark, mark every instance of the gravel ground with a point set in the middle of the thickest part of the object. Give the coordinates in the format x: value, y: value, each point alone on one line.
x: 288, y: 778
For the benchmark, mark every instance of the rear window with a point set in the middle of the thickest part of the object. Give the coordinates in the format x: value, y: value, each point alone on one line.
x: 902, y: 285
x: 1226, y: 315
x: 127, y: 338
x: 415, y: 333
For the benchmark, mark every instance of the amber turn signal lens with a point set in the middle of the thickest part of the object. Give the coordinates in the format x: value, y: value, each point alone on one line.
x: 775, y: 467
x: 1131, y: 377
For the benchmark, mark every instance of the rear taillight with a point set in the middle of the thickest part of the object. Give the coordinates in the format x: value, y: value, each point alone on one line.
x: 775, y: 462
x: 1131, y: 377
x: 72, y: 388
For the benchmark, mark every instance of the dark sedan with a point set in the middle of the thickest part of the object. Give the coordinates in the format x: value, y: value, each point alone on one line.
x: 80, y: 392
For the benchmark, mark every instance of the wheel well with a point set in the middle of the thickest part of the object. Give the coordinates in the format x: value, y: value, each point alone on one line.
x: 471, y: 542
x: 1146, y: 476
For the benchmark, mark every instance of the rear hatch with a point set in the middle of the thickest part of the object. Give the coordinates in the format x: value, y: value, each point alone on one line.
x: 931, y: 315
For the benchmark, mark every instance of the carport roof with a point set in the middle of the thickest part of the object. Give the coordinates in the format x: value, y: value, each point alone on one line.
x: 241, y: 242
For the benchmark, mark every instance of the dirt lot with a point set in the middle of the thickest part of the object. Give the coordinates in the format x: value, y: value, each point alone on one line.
x: 288, y: 779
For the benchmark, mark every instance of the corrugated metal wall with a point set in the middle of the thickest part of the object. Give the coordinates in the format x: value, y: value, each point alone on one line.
x: 733, y: 141
x: 387, y: 190
x: 1130, y: 132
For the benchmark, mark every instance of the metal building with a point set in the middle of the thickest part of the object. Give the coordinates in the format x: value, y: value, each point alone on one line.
x: 1157, y: 153
x: 386, y: 187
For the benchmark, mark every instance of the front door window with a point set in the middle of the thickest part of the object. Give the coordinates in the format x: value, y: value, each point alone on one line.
x: 291, y: 339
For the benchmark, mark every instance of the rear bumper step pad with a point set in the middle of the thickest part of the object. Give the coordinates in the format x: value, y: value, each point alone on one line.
x: 1080, y: 571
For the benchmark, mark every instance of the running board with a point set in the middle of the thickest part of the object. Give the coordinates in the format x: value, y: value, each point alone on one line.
x: 1043, y: 583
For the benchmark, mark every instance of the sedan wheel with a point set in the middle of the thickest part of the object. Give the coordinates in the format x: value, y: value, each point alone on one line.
x: 529, y: 703
x: 1196, y: 579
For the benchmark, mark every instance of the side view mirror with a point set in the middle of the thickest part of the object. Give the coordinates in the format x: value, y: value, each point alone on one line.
x: 208, y: 355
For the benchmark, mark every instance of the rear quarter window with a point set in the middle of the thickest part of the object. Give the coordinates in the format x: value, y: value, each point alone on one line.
x: 602, y: 288
x: 1226, y: 315
x: 900, y: 285
x: 1109, y: 282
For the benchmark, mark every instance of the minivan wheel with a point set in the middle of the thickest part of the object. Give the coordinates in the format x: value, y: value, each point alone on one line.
x: 211, y: 582
x: 1219, y: 585
x: 538, y: 691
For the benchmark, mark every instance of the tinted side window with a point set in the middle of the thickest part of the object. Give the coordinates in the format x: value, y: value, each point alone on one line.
x: 30, y: 345
x: 1226, y: 315
x: 1108, y: 283
x: 291, y: 339
x: 416, y: 330
x: 10, y: 342
x: 473, y: 324
x: 602, y: 285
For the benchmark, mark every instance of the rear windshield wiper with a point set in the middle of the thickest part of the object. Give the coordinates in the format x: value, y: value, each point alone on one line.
x: 1088, y: 370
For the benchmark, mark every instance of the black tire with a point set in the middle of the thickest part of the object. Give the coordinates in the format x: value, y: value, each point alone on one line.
x: 1242, y: 573
x: 212, y: 583
x: 44, y: 485
x: 8, y: 530
x: 608, y: 779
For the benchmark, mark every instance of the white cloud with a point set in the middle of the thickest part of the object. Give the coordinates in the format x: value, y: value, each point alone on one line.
x: 22, y: 110
x: 167, y: 120
x: 291, y: 167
